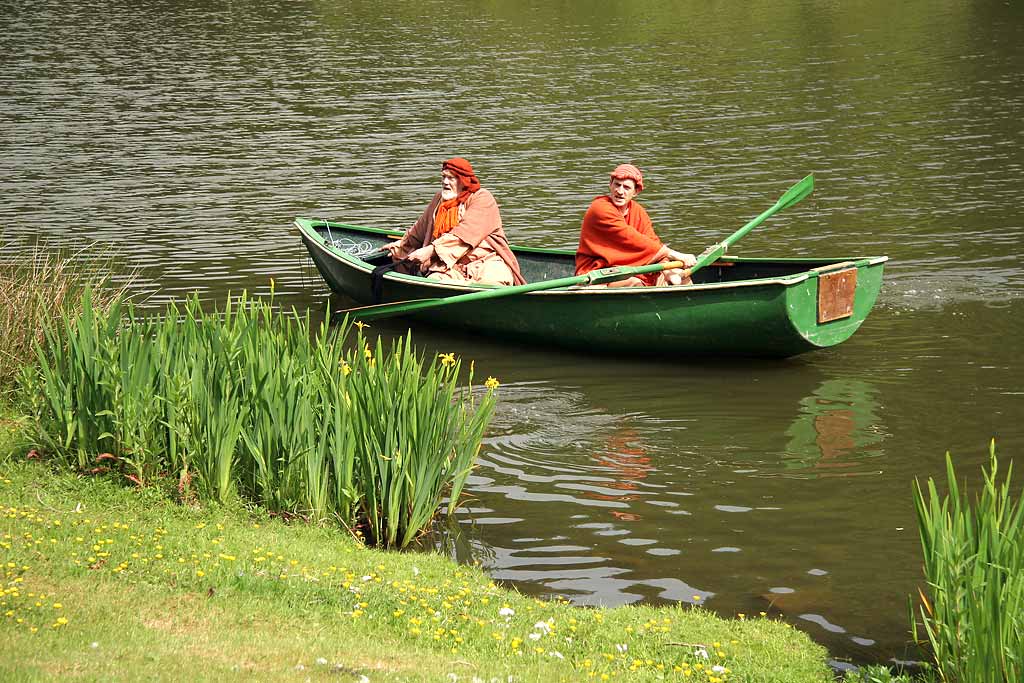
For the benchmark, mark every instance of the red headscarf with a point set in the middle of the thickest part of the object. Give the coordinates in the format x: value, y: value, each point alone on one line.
x: 464, y: 170
x: 629, y: 172
x: 446, y: 216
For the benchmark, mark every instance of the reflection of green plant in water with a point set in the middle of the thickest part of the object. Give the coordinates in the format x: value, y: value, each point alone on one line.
x: 973, y: 613
x: 836, y: 422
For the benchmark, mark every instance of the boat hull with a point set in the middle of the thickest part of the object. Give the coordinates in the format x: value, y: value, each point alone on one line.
x: 743, y: 307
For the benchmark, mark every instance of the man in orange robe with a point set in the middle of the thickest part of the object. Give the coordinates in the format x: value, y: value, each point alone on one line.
x: 459, y: 237
x: 617, y: 231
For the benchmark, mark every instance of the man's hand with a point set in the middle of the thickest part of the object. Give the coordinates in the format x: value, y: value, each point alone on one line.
x: 392, y: 248
x: 422, y: 256
x: 688, y: 260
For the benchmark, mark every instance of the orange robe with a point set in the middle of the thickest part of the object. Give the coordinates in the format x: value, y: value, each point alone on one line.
x: 475, y: 250
x: 607, y: 238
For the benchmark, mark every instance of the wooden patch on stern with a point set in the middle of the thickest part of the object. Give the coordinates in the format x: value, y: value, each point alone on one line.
x: 835, y: 295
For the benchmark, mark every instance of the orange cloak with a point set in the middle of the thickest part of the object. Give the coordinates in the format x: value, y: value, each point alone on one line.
x: 609, y: 239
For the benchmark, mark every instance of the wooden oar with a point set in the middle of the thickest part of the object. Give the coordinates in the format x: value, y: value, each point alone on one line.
x: 709, y: 255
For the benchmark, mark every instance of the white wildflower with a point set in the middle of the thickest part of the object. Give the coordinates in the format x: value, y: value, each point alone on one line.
x: 534, y: 636
x: 701, y: 652
x: 621, y: 647
x: 543, y: 627
x: 506, y: 612
x: 718, y: 669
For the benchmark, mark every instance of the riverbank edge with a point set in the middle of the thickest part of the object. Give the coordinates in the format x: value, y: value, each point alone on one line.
x: 148, y: 588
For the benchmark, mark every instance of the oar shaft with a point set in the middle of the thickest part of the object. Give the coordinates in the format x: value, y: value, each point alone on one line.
x: 592, y: 278
x: 788, y: 198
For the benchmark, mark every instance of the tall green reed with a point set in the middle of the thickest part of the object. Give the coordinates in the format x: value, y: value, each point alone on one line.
x: 974, y: 567
x: 415, y: 437
x: 247, y: 403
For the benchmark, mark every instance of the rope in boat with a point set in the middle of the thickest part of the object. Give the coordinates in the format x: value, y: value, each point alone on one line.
x: 357, y: 248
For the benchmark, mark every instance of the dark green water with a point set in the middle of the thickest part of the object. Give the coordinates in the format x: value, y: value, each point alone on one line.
x: 187, y: 135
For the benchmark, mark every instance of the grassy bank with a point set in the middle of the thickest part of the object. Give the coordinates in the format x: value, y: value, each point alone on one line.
x: 104, y: 582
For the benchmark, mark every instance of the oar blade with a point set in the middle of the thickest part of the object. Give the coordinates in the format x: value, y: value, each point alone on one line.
x: 796, y: 193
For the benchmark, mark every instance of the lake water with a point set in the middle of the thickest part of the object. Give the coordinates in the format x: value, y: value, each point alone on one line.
x: 186, y: 136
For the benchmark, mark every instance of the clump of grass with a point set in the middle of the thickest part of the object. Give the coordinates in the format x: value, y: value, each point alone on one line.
x: 974, y: 566
x: 37, y: 288
x: 245, y: 403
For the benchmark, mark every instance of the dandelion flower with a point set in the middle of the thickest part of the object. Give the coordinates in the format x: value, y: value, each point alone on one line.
x: 492, y: 383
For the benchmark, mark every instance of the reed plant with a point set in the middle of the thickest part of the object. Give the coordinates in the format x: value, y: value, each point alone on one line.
x: 415, y: 443
x: 37, y: 286
x: 246, y: 402
x: 973, y: 613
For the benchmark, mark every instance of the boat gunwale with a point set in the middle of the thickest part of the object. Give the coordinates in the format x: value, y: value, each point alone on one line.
x: 306, y: 227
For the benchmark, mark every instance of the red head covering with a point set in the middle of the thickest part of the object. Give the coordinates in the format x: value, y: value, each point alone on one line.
x: 630, y: 172
x: 464, y: 170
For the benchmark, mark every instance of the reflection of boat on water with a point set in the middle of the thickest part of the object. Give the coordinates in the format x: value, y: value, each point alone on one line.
x: 838, y: 425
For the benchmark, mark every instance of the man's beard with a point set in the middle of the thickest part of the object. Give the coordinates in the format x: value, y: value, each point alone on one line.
x: 447, y: 194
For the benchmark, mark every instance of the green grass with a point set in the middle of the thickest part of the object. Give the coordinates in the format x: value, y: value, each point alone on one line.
x: 102, y: 582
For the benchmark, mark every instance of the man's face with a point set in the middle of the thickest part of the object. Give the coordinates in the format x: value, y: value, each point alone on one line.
x: 621, y: 191
x: 451, y: 186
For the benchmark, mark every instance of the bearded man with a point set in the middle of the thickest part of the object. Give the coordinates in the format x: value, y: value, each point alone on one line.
x: 617, y: 231
x: 459, y: 235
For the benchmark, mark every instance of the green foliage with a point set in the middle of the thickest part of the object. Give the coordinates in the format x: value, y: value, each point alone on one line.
x: 974, y: 566
x: 36, y: 288
x: 246, y: 403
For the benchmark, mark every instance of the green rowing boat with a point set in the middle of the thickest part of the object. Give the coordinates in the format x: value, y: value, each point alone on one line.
x: 736, y: 306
